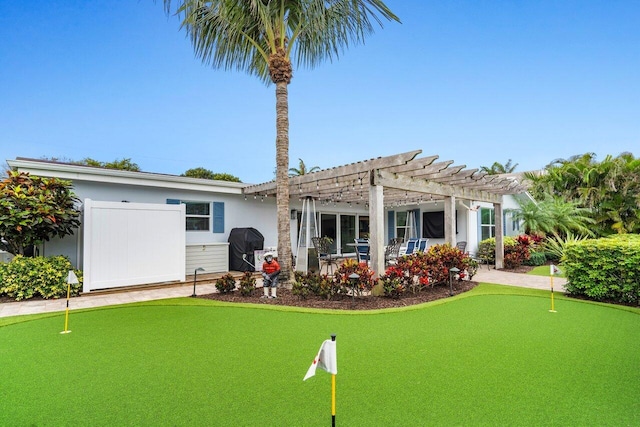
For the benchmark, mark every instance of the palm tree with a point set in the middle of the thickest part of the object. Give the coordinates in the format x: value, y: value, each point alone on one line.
x: 302, y: 169
x: 262, y: 37
x: 498, y: 168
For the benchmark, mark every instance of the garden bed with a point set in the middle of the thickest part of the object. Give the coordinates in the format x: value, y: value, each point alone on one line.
x: 285, y: 297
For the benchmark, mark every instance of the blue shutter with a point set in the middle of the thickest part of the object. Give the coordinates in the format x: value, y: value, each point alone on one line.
x: 218, y: 217
x: 391, y: 224
x: 173, y: 201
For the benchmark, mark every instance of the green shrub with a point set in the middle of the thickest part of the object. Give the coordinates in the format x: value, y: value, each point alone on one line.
x: 536, y: 259
x: 604, y: 269
x: 46, y: 277
x: 247, y: 284
x: 226, y: 284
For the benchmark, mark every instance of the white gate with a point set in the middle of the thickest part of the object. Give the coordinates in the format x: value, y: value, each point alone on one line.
x: 132, y: 243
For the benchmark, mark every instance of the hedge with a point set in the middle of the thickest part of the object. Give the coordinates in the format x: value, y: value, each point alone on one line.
x: 24, y: 278
x: 604, y: 269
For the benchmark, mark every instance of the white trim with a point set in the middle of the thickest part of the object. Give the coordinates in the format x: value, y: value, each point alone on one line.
x: 115, y: 176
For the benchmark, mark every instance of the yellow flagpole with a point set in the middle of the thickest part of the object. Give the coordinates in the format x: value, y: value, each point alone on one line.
x: 66, y: 316
x: 333, y: 393
x: 552, y: 307
x: 333, y: 400
x: 71, y: 278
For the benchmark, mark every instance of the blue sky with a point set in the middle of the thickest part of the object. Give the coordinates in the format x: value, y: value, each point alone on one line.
x: 471, y: 81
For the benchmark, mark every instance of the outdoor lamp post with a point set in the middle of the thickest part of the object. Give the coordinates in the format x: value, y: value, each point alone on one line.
x: 195, y: 277
x: 353, y: 280
x: 452, y: 272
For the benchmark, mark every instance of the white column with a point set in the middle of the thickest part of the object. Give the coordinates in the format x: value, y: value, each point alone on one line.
x: 450, y: 220
x: 376, y: 228
x: 497, y: 210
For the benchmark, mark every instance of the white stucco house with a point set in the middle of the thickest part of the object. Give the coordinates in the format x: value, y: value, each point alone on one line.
x: 141, y: 227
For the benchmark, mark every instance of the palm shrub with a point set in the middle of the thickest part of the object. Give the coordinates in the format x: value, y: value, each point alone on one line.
x: 46, y: 277
x: 226, y: 284
x: 555, y: 245
x: 604, y: 269
x: 247, y: 284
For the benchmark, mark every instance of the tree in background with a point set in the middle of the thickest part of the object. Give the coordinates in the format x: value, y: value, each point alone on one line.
x: 498, y: 168
x: 302, y: 169
x: 120, y: 164
x: 609, y: 189
x: 262, y: 38
x: 34, y: 209
x: 553, y: 216
x: 207, y: 174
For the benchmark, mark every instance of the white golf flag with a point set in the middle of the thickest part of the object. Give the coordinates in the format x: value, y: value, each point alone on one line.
x: 553, y: 270
x: 326, y: 359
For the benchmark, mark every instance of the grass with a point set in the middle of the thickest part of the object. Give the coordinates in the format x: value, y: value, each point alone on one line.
x: 543, y: 270
x: 494, y: 356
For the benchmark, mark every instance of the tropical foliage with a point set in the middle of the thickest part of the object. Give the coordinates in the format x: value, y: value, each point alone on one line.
x: 302, y: 169
x: 263, y: 38
x: 498, y: 168
x: 34, y: 209
x: 609, y: 189
x: 207, y: 174
x: 553, y: 216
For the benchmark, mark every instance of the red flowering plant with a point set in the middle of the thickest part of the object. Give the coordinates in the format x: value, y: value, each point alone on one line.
x: 343, y: 284
x: 394, y: 282
x: 441, y: 258
x: 517, y: 252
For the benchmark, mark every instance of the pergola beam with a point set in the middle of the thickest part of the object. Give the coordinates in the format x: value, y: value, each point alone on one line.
x: 406, y: 183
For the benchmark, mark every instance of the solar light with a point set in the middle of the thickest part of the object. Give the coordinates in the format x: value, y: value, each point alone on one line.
x: 452, y: 272
x: 195, y: 277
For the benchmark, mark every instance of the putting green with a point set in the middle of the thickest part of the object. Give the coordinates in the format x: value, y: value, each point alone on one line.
x: 478, y: 360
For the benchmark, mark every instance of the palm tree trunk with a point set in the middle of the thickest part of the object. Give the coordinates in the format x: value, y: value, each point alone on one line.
x: 282, y: 180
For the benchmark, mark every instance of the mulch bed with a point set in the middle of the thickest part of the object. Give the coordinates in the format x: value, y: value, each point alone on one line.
x: 285, y: 297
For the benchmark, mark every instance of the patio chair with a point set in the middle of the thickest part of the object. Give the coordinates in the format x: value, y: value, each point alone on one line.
x: 391, y: 252
x: 422, y: 245
x: 362, y: 250
x: 411, y: 246
x: 323, y: 249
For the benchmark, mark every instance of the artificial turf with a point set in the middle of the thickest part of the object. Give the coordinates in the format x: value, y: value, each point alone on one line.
x: 543, y: 270
x: 495, y: 356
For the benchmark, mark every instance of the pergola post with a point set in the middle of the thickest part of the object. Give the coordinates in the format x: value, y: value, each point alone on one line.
x: 450, y: 220
x: 376, y: 228
x: 497, y: 209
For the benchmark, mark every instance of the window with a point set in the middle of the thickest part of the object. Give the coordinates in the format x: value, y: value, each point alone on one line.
x: 433, y: 224
x: 363, y: 227
x: 347, y: 232
x: 487, y: 223
x: 198, y: 216
x: 401, y: 224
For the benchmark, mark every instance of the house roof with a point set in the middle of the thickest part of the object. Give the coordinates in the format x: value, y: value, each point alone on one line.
x: 96, y: 174
x: 406, y: 179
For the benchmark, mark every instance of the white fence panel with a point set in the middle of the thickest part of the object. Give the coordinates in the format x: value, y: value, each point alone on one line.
x: 132, y: 243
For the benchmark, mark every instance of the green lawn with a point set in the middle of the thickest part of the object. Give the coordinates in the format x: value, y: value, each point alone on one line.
x: 543, y: 270
x: 494, y: 356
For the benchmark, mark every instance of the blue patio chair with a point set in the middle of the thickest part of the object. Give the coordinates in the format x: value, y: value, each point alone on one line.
x: 422, y: 245
x: 411, y: 246
x: 362, y: 250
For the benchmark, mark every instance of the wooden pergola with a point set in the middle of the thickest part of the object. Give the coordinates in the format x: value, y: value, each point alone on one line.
x: 399, y: 180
